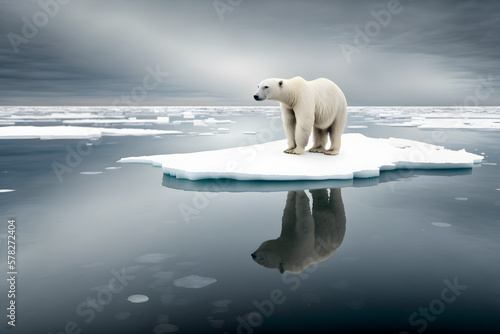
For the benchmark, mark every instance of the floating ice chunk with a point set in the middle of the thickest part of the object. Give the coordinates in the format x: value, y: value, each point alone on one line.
x: 461, y: 198
x: 188, y: 115
x: 73, y: 132
x: 162, y: 120
x: 6, y: 190
x: 206, y: 134
x: 194, y: 282
x: 153, y: 258
x: 223, y: 129
x: 222, y: 303
x: 112, y: 168
x: 357, y: 126
x: 360, y: 157
x: 138, y: 299
x: 439, y: 224
x: 165, y: 328
x: 250, y: 133
x: 90, y: 173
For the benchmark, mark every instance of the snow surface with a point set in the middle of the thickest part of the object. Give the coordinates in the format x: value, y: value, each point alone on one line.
x: 360, y: 157
x: 73, y: 132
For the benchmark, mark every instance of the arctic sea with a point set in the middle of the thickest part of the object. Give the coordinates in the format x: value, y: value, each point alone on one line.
x: 105, y: 247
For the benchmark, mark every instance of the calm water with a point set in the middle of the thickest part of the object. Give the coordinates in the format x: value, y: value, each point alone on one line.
x: 410, y: 251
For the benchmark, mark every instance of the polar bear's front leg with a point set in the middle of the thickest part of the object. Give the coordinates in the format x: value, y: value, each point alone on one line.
x: 305, y: 121
x: 289, y: 123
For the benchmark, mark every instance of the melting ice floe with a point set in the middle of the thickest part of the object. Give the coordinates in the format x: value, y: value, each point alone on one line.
x: 194, y: 282
x: 138, y: 299
x: 73, y: 132
x: 360, y: 157
x: 6, y: 190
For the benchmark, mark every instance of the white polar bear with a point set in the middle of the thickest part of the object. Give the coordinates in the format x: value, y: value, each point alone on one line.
x: 318, y: 104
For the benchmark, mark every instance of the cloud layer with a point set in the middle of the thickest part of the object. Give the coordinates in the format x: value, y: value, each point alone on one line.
x: 99, y: 52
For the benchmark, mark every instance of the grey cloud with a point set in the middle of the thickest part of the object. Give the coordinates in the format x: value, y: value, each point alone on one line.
x: 91, y: 52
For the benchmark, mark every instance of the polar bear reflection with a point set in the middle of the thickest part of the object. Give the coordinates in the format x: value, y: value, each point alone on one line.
x: 305, y: 238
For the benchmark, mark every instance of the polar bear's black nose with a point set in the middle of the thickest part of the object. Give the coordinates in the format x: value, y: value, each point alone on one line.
x: 256, y: 97
x: 254, y: 256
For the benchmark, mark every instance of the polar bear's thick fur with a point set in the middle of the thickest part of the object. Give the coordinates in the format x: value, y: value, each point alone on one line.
x: 305, y: 238
x: 318, y: 104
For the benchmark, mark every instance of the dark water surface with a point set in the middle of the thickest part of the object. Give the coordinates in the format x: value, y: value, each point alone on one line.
x: 355, y: 256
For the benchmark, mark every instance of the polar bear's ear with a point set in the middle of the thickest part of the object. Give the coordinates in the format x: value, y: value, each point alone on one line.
x: 280, y: 83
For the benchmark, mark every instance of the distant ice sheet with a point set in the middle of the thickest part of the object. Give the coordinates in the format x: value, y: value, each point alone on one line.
x: 73, y: 132
x: 360, y: 157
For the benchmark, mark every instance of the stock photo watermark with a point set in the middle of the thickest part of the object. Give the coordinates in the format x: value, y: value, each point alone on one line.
x: 75, y: 155
x: 31, y: 26
x: 201, y: 200
x: 139, y: 93
x: 11, y: 272
x: 223, y: 6
x: 365, y: 35
x: 266, y: 308
x: 88, y: 308
x: 436, y: 307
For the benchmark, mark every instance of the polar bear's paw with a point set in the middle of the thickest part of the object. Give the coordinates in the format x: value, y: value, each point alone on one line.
x: 294, y: 151
x: 317, y: 150
x: 332, y: 152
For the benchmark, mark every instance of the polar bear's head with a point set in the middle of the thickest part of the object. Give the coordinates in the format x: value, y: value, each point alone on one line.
x: 268, y: 256
x: 269, y: 89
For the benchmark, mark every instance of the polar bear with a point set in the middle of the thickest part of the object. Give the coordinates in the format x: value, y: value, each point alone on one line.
x: 318, y: 104
x: 305, y: 238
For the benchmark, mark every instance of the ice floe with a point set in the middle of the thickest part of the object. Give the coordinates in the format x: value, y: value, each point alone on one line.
x: 194, y: 282
x: 73, y: 132
x: 360, y: 157
x: 138, y: 299
x: 6, y: 190
x: 439, y: 224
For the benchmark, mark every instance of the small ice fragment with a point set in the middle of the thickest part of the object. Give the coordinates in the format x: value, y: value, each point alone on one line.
x: 461, y: 198
x: 138, y: 299
x: 162, y: 120
x: 165, y: 328
x: 222, y: 303
x: 249, y: 133
x: 111, y: 168
x: 357, y: 126
x: 90, y: 173
x: 6, y: 190
x: 439, y: 224
x: 122, y: 316
x: 153, y: 258
x: 206, y: 134
x: 194, y: 282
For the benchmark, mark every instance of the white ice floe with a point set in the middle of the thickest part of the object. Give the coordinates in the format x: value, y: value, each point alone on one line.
x: 360, y: 157
x: 73, y: 132
x: 138, y: 299
x: 6, y: 190
x: 439, y: 224
x: 194, y: 282
x: 90, y: 173
x: 153, y: 258
x: 357, y: 127
x: 451, y: 123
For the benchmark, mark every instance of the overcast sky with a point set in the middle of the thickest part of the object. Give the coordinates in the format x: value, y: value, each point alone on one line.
x: 96, y: 52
